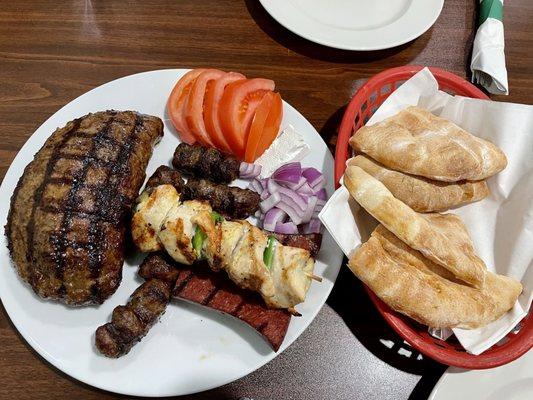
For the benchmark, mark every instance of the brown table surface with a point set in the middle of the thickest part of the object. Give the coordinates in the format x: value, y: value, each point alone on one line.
x: 53, y: 51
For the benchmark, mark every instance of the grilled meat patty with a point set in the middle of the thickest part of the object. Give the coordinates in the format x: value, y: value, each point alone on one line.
x: 166, y: 278
x: 207, y: 163
x: 230, y: 201
x: 67, y: 222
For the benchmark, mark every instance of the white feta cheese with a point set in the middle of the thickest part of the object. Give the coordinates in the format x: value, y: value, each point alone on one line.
x: 288, y: 146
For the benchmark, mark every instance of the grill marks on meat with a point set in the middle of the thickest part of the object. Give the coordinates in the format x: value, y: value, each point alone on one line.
x: 66, y: 225
x: 200, y: 285
x: 203, y: 162
x: 230, y: 201
x: 130, y: 323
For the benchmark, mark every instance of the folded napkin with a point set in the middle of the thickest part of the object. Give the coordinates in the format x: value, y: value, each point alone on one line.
x: 501, y: 226
x: 488, y: 57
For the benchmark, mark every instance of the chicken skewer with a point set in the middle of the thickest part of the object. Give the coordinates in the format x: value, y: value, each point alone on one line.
x: 190, y: 231
x: 230, y: 201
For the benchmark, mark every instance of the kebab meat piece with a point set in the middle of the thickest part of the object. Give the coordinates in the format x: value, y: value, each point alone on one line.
x: 190, y: 231
x: 130, y: 323
x: 197, y: 284
x: 205, y: 162
x: 230, y: 201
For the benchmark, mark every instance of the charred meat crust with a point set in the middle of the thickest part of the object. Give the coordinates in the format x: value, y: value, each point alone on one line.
x: 207, y: 163
x: 66, y: 223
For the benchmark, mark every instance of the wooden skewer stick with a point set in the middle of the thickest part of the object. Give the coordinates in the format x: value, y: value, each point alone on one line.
x: 314, y: 277
x: 293, y: 311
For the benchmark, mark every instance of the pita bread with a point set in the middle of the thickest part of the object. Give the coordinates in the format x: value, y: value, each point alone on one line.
x: 415, y: 286
x: 417, y: 142
x: 440, y: 244
x: 422, y: 194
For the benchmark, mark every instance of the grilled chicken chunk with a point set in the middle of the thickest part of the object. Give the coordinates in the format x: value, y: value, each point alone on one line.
x: 66, y: 225
x: 189, y: 232
x: 150, y: 213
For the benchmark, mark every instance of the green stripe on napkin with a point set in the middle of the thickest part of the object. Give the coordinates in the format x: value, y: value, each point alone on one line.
x: 490, y: 9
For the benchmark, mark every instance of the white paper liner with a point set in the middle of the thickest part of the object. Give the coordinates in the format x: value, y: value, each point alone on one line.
x: 501, y: 226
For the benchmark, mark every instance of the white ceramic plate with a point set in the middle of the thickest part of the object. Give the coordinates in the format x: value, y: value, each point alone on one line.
x: 513, y: 381
x: 192, y: 349
x: 356, y: 24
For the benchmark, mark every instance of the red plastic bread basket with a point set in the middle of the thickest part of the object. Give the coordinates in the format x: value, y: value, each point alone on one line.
x: 365, y: 102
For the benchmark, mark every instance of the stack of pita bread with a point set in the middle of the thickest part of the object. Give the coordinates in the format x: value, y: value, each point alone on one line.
x: 420, y: 262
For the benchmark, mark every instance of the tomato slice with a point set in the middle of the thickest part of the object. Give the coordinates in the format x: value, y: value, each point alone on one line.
x: 237, y: 108
x: 194, y: 108
x: 265, y: 126
x: 176, y: 104
x: 213, y: 95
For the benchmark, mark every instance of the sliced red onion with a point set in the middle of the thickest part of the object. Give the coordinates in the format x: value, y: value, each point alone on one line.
x: 305, y: 189
x: 273, y: 187
x: 272, y: 217
x: 318, y: 185
x: 270, y: 202
x: 265, y: 194
x: 249, y: 171
x: 288, y: 173
x: 292, y: 196
x: 256, y: 186
x: 322, y: 195
x: 308, y: 214
x: 312, y: 175
x: 312, y: 226
x: 287, y: 228
x: 294, y: 214
x: 296, y: 186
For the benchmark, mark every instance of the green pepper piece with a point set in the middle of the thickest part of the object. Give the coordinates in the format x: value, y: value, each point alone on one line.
x: 198, y: 240
x: 268, y: 255
x: 216, y: 217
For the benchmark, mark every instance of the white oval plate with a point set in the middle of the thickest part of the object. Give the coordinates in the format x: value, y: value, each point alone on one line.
x: 191, y: 349
x: 513, y: 381
x: 356, y: 24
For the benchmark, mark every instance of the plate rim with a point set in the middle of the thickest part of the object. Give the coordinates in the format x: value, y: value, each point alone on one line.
x: 285, y: 22
x: 55, y: 363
